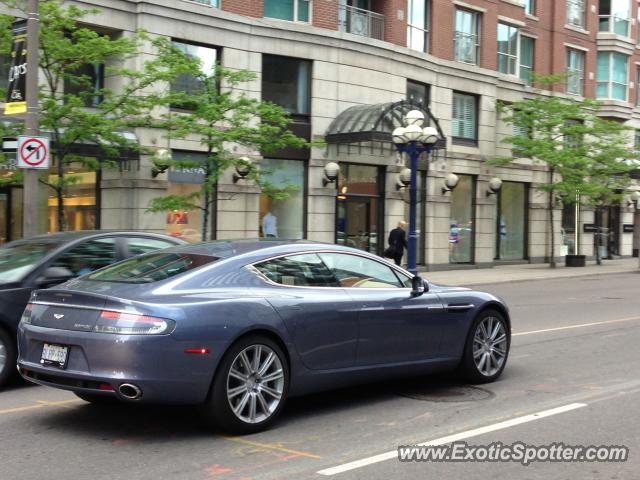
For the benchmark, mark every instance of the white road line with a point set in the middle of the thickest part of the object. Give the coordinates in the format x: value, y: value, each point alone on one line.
x: 452, y: 438
x: 582, y: 325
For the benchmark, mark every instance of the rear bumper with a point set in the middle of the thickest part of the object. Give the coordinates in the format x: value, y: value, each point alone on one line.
x: 157, y: 365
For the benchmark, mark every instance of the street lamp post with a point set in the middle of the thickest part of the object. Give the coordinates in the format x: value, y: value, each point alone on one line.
x: 414, y: 141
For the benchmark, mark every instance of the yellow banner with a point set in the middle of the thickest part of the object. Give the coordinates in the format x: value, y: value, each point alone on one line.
x: 13, y: 108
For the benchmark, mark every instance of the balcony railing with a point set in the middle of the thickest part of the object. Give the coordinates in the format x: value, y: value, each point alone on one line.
x: 359, y: 21
x: 614, y: 24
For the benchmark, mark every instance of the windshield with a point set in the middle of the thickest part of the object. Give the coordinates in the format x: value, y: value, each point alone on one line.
x: 150, y: 268
x: 17, y: 260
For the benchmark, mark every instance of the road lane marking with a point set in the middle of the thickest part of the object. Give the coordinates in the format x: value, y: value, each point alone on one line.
x: 452, y: 438
x: 39, y: 404
x: 271, y: 446
x: 582, y: 325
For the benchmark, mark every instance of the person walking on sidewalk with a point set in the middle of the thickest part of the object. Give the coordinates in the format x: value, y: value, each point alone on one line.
x: 397, y: 243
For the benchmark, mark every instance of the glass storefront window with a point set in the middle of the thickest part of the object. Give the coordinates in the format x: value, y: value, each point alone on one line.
x: 568, y: 229
x: 283, y: 218
x: 462, y: 221
x: 79, y: 200
x: 187, y: 224
x: 511, y: 221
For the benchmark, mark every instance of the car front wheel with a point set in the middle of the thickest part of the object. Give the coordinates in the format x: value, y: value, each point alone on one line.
x: 250, y: 387
x: 8, y: 358
x: 487, y: 348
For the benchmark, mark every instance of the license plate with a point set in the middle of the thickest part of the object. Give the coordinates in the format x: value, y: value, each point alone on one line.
x: 55, y: 355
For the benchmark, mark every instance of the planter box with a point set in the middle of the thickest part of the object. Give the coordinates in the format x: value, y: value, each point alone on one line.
x: 575, y: 260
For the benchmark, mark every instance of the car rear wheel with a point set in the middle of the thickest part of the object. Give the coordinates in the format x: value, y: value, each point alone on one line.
x: 8, y: 358
x: 250, y: 387
x: 486, y: 349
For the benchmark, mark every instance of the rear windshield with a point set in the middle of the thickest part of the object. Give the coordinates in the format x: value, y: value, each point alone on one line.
x: 151, y: 268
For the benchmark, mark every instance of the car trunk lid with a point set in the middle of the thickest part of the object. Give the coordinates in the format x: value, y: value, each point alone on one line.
x: 66, y: 310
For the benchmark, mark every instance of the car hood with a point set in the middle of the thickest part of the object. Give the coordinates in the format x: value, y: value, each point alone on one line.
x: 434, y: 288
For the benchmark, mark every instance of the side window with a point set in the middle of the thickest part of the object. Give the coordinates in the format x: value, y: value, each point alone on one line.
x: 354, y: 271
x: 140, y: 245
x: 88, y: 256
x: 298, y: 270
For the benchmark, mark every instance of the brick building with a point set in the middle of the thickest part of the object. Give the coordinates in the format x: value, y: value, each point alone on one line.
x: 318, y: 58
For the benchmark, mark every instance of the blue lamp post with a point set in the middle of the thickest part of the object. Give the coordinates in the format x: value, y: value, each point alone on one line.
x: 414, y: 141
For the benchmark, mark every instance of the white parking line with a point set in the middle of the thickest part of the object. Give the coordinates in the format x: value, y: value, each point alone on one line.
x: 452, y: 438
x: 582, y: 325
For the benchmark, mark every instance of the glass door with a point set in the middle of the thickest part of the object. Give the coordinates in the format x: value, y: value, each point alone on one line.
x: 356, y: 224
x: 4, y: 217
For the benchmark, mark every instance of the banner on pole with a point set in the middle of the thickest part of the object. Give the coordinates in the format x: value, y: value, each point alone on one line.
x: 16, y: 93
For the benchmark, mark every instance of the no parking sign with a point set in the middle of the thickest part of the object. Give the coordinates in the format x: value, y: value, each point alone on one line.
x: 33, y: 152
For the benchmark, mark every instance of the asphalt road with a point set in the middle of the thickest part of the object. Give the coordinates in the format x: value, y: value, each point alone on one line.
x: 575, y: 353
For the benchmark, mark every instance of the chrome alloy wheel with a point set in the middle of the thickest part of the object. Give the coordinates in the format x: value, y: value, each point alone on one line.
x: 255, y: 384
x: 489, y: 346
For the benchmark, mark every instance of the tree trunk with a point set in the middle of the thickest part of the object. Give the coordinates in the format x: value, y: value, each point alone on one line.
x: 60, y: 196
x: 205, y: 214
x: 552, y: 260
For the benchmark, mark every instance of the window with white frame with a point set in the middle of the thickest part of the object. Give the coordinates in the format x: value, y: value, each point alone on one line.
x: 613, y: 16
x: 508, y: 45
x: 465, y: 118
x: 575, y: 71
x: 576, y: 13
x: 467, y: 36
x: 529, y: 7
x: 612, y: 76
x: 292, y: 10
x: 526, y: 59
x: 637, y: 88
x: 418, y: 25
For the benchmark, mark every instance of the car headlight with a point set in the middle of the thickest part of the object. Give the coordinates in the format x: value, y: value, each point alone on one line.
x: 132, y: 324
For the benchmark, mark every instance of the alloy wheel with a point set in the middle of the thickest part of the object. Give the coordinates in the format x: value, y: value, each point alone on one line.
x: 489, y: 346
x: 255, y: 384
x: 3, y: 356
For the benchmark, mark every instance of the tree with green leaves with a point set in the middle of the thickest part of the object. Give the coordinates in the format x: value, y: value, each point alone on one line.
x: 587, y: 157
x: 225, y: 121
x: 76, y: 108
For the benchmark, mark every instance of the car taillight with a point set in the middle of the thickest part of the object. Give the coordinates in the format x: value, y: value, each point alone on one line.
x: 26, y: 315
x: 132, y: 324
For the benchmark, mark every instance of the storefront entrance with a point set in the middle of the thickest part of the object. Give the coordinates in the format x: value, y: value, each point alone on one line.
x: 359, y: 208
x: 10, y: 214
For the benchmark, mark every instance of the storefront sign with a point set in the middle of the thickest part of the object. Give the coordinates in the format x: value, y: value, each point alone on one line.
x: 589, y: 228
x: 16, y: 92
x: 627, y: 228
x: 187, y: 175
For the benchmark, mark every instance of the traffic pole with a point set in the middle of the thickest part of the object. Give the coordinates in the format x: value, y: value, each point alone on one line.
x: 30, y: 185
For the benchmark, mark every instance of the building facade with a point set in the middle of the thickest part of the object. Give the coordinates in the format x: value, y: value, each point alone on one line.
x: 318, y: 58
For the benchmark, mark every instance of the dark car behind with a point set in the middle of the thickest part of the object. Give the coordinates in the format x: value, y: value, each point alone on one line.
x: 48, y: 260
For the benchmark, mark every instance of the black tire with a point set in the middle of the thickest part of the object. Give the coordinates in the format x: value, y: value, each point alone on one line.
x: 218, y: 411
x: 96, y: 399
x: 469, y: 368
x: 8, y: 359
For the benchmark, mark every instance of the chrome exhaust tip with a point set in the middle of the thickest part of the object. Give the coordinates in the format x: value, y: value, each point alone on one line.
x: 130, y: 391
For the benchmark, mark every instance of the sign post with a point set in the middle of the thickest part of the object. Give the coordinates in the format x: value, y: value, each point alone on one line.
x: 31, y: 187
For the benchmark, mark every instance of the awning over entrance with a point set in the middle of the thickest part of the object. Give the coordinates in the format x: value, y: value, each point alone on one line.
x: 374, y: 123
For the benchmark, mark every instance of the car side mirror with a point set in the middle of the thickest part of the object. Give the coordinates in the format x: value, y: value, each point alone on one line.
x: 54, y: 276
x: 418, y: 286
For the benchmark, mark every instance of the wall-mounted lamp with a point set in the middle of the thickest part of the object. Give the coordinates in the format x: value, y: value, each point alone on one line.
x: 633, y: 199
x: 404, y: 179
x: 450, y: 182
x: 243, y: 167
x: 331, y: 171
x: 495, y: 184
x: 161, y: 162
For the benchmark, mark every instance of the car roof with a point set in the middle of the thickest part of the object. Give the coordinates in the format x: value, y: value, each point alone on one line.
x: 258, y: 247
x: 66, y: 237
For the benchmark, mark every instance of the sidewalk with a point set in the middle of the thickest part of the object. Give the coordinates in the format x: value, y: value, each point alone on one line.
x: 525, y: 272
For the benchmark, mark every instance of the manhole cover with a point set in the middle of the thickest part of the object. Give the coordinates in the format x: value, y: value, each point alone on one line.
x: 444, y: 393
